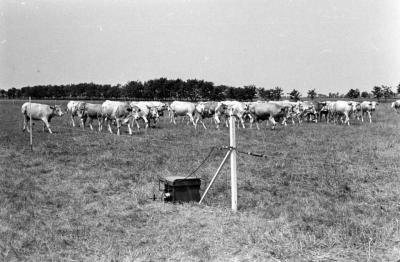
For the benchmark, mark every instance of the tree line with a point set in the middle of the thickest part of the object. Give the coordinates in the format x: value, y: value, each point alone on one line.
x: 167, y: 89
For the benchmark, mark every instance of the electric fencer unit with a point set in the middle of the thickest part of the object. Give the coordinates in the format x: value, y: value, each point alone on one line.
x: 180, y: 189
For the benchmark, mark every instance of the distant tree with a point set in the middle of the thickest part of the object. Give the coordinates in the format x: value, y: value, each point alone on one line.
x: 12, y: 93
x: 312, y: 94
x: 398, y: 88
x: 132, y: 89
x: 3, y: 93
x: 249, y: 92
x: 218, y: 93
x: 192, y: 90
x: 265, y: 94
x: 353, y: 93
x: 333, y: 95
x: 277, y: 93
x: 364, y: 94
x: 387, y: 92
x: 294, y: 95
x: 377, y: 92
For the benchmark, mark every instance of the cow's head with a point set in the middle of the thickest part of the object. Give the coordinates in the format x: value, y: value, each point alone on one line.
x: 285, y: 110
x: 162, y: 108
x: 373, y: 105
x: 57, y: 111
x: 81, y: 110
x: 134, y: 112
x: 154, y: 113
x: 295, y: 108
x: 129, y: 112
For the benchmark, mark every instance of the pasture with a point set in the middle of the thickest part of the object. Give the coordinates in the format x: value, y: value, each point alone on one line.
x: 324, y: 193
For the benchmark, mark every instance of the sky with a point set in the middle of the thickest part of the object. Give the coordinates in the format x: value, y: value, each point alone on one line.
x: 329, y: 45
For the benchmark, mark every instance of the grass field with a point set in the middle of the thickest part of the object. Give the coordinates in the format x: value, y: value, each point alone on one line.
x: 324, y: 193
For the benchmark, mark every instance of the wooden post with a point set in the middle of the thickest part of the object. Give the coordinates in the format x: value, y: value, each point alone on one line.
x: 30, y: 123
x: 232, y: 144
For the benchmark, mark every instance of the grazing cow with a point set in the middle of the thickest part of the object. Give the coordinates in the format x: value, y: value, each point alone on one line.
x: 236, y: 109
x: 307, y: 111
x: 342, y: 108
x: 161, y: 107
x: 90, y: 111
x: 121, y: 112
x: 321, y: 110
x: 367, y: 107
x: 147, y: 113
x: 293, y: 110
x: 179, y: 108
x: 208, y: 110
x: 268, y: 111
x: 40, y: 112
x: 72, y: 108
x: 396, y: 106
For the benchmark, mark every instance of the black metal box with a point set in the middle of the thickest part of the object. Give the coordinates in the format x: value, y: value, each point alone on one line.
x: 180, y: 189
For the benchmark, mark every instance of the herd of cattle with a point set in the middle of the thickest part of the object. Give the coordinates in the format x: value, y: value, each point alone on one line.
x: 125, y: 113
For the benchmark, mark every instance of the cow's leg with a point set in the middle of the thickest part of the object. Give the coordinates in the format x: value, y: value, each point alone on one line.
x: 83, y: 121
x: 109, y: 125
x: 173, y: 118
x: 216, y: 120
x: 191, y: 119
x: 272, y: 120
x: 146, y: 122
x: 369, y: 115
x: 101, y: 122
x: 118, y: 127
x: 199, y: 118
x: 72, y: 119
x: 347, y: 119
x: 242, y: 121
x: 136, y: 121
x: 283, y: 122
x: 129, y: 128
x: 201, y: 121
x: 25, y: 125
x: 90, y: 122
x: 251, y: 122
x: 46, y: 122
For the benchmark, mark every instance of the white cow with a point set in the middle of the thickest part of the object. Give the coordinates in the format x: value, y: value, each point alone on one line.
x: 180, y: 108
x: 72, y: 108
x: 146, y: 113
x: 293, y: 110
x: 161, y: 107
x: 307, y: 111
x: 208, y: 110
x: 343, y: 108
x: 40, y: 112
x: 367, y: 107
x: 121, y: 112
x: 396, y: 106
x: 236, y: 109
